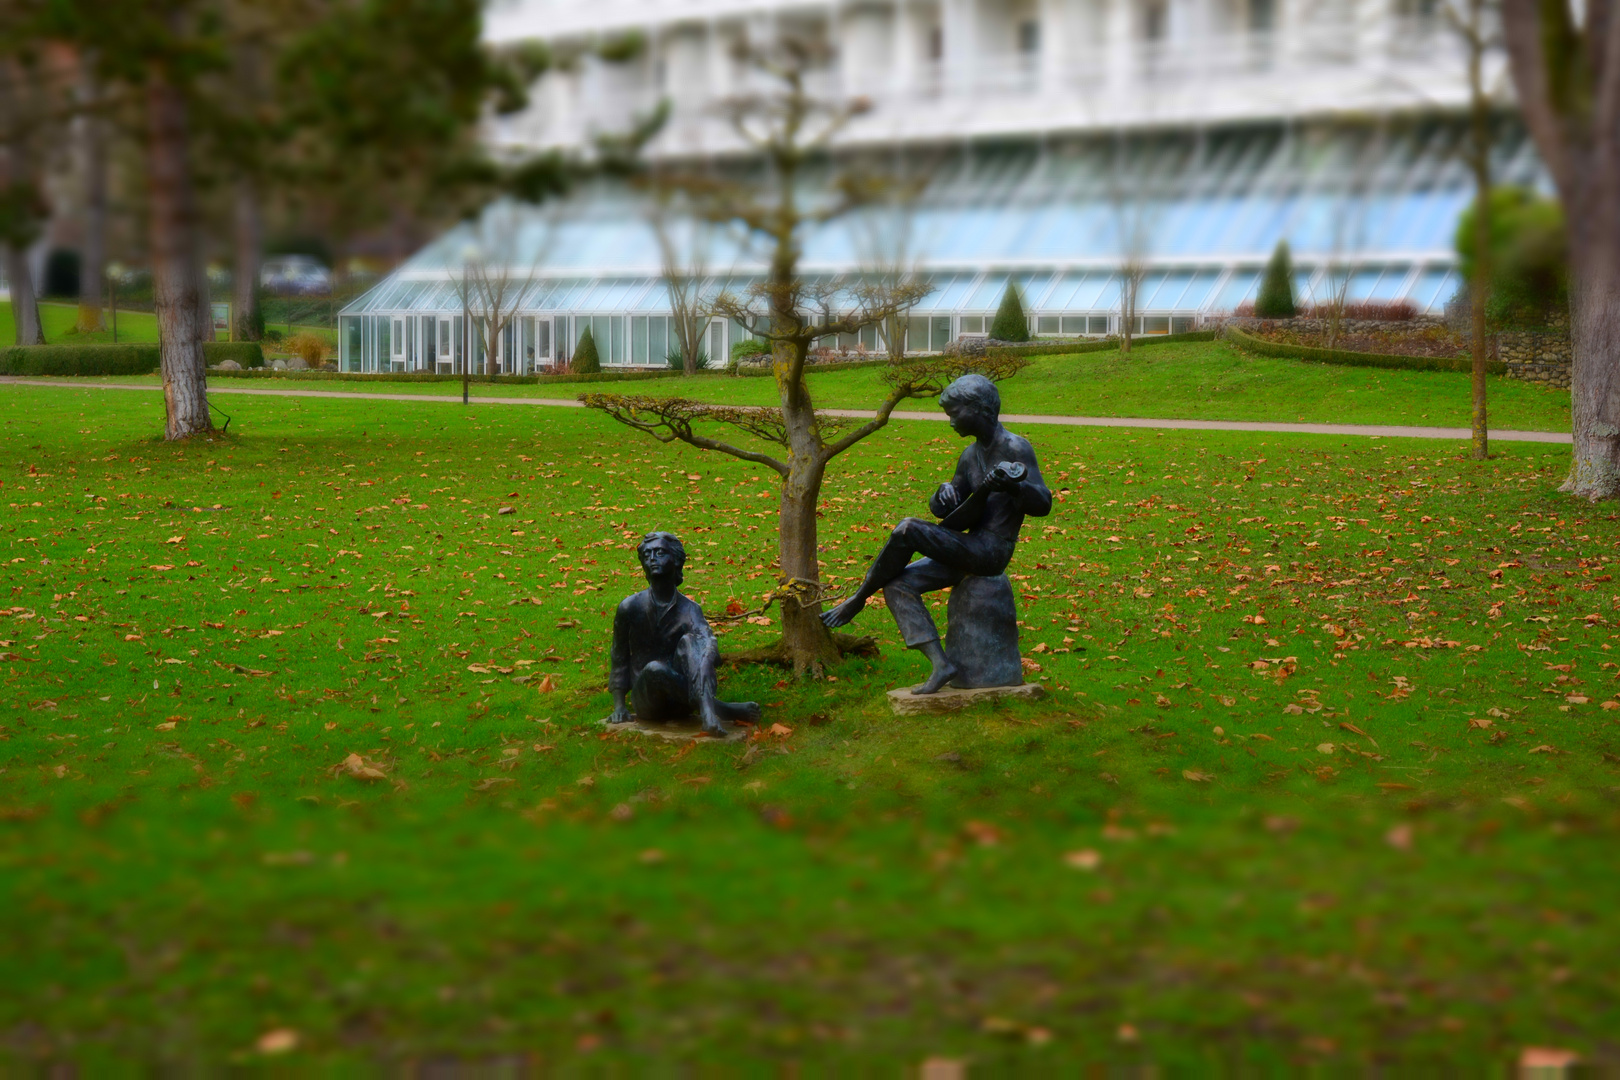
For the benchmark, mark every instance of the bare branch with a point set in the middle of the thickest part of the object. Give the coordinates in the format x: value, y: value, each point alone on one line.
x: 926, y: 377
x: 668, y: 419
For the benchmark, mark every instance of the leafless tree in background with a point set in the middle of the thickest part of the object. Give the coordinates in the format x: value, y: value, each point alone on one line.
x: 503, y: 258
x: 683, y: 247
x: 1131, y: 197
x: 1477, y: 24
x: 91, y: 136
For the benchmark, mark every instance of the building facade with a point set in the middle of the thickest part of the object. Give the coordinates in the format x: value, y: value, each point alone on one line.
x: 1054, y: 142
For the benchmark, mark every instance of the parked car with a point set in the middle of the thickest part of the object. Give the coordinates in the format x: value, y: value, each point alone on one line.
x: 295, y: 275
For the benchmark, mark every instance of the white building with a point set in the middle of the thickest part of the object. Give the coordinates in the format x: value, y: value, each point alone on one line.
x: 1048, y: 130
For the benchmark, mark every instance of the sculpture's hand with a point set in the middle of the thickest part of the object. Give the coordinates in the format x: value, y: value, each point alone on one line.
x: 947, y: 499
x: 621, y: 714
x: 1005, y: 476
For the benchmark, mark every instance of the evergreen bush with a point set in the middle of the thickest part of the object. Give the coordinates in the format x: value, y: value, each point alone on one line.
x: 586, y: 361
x: 1276, y: 299
x: 1529, y: 286
x: 1010, y: 323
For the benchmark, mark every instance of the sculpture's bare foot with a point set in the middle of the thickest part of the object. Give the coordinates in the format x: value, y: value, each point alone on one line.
x: 621, y: 716
x: 844, y: 613
x: 738, y: 712
x: 942, y: 674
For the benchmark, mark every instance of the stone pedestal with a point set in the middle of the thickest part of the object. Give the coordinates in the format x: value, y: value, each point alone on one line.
x: 677, y: 730
x: 981, y: 636
x: 905, y: 703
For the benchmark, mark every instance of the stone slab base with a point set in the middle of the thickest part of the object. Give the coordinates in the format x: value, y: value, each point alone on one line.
x: 905, y: 703
x: 678, y: 730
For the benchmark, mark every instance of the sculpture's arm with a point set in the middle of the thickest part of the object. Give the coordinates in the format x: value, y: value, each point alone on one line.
x: 1034, y: 497
x: 951, y: 493
x: 619, y: 674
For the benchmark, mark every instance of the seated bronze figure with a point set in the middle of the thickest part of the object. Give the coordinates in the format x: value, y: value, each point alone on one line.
x: 982, y: 508
x: 664, y: 654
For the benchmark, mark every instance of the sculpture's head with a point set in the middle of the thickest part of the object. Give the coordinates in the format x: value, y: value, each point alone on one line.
x: 974, y: 405
x: 662, y: 556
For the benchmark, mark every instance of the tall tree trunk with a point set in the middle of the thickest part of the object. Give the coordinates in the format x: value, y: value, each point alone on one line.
x: 1595, y: 380
x: 178, y: 291
x: 14, y: 243
x: 93, y: 257
x: 1480, y: 161
x: 24, y: 305
x: 1477, y: 292
x: 249, y: 236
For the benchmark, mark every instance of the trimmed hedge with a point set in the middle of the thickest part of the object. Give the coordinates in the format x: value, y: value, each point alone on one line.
x: 1035, y: 348
x: 125, y: 358
x: 1346, y: 358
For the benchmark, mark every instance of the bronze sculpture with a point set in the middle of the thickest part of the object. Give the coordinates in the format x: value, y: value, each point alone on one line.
x: 663, y: 661
x: 982, y: 507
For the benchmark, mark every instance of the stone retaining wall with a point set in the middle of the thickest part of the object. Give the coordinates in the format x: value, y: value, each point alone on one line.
x: 1537, y: 357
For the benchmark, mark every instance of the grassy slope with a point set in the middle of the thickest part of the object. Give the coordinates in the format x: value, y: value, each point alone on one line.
x: 1210, y: 381
x: 59, y: 320
x: 864, y: 886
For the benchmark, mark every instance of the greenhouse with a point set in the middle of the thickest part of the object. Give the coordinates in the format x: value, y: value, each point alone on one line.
x: 1368, y: 212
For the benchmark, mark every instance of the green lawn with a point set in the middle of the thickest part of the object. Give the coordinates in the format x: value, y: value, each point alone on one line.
x: 1205, y: 381
x: 60, y: 319
x: 1327, y: 774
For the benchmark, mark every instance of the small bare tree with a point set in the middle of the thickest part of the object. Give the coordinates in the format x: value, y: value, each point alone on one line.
x: 786, y: 125
x: 683, y: 246
x: 1132, y: 201
x: 502, y: 259
x: 885, y: 242
x: 1331, y: 298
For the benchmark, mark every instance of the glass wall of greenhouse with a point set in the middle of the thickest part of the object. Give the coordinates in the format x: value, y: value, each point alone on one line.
x: 1371, y: 209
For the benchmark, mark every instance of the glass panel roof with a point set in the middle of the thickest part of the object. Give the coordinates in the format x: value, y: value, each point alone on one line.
x: 1050, y: 217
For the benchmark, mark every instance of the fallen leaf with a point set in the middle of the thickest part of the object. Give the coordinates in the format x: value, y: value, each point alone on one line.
x: 492, y: 782
x: 546, y: 685
x: 1543, y: 749
x: 1084, y: 859
x: 277, y: 1041
x: 1480, y: 722
x: 167, y: 725
x: 781, y: 731
x: 358, y: 767
x: 1324, y: 748
x: 982, y: 833
x: 1399, y: 837
x: 1197, y: 777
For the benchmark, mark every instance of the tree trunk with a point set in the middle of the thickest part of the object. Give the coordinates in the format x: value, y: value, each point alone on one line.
x: 805, y: 641
x: 1480, y: 154
x: 1595, y: 380
x: 177, y: 285
x: 24, y: 305
x: 249, y: 236
x: 1476, y: 301
x: 93, y: 258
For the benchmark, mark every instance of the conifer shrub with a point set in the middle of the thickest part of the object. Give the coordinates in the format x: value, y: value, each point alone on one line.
x: 1276, y: 299
x: 586, y: 361
x: 1010, y: 323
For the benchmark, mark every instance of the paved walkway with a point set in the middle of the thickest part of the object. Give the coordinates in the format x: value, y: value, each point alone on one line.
x: 1384, y: 431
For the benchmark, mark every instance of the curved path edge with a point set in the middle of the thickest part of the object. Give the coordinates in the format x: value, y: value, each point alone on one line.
x: 1365, y: 430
